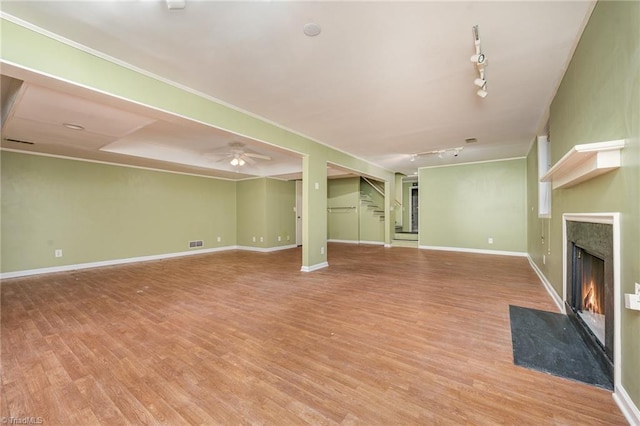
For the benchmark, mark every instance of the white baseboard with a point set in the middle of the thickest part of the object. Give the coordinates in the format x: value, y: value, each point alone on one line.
x: 65, y: 268
x: 376, y: 243
x: 547, y: 285
x: 314, y: 267
x: 266, y: 249
x: 479, y: 251
x: 373, y: 243
x: 626, y: 405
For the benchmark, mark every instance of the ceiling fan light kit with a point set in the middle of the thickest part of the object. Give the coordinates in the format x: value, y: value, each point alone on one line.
x: 237, y: 155
x: 480, y: 62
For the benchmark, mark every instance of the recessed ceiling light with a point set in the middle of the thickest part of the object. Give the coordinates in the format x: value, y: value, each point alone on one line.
x: 471, y: 140
x: 311, y: 29
x: 73, y: 126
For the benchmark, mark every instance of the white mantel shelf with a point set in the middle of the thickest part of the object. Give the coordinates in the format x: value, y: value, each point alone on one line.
x: 584, y: 162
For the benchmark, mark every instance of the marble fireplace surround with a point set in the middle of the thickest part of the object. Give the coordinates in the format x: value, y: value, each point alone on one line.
x: 614, y: 220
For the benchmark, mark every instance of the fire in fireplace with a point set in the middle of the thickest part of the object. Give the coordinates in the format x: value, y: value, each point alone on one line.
x: 589, y: 303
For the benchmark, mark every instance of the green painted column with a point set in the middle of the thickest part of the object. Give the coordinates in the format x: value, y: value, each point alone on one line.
x: 389, y: 212
x: 314, y: 213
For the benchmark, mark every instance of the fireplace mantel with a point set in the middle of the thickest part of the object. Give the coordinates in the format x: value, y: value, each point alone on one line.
x: 584, y: 162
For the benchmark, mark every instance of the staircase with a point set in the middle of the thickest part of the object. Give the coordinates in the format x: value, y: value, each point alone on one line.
x: 404, y: 239
x: 367, y: 203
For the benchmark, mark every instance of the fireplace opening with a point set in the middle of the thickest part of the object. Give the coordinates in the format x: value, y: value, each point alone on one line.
x: 589, y: 292
x: 590, y: 287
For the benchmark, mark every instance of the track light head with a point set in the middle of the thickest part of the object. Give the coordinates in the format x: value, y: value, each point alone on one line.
x: 478, y: 59
x: 480, y: 82
x: 482, y: 93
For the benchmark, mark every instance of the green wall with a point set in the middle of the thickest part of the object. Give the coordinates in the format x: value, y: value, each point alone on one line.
x: 252, y: 216
x: 31, y: 52
x: 462, y: 206
x: 343, y: 221
x: 98, y: 212
x: 599, y: 100
x: 265, y: 212
x: 281, y: 216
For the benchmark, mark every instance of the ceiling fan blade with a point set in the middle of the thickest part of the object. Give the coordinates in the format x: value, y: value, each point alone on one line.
x: 256, y: 155
x: 248, y: 159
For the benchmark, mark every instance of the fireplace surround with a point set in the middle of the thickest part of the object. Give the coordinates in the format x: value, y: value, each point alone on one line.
x: 591, y: 287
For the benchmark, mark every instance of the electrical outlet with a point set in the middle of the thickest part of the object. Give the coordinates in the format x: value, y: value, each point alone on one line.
x: 544, y: 259
x: 219, y: 239
x: 321, y: 250
x: 279, y: 238
x: 288, y: 238
x: 58, y: 253
x: 254, y: 239
x: 262, y: 239
x: 317, y: 185
x: 490, y: 240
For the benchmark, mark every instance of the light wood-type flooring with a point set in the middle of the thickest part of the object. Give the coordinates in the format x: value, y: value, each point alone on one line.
x: 384, y: 336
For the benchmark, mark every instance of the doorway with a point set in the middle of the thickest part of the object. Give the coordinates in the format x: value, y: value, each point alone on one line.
x: 298, y: 213
x: 414, y: 209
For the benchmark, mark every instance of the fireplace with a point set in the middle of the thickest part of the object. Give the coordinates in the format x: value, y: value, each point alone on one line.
x: 589, y: 294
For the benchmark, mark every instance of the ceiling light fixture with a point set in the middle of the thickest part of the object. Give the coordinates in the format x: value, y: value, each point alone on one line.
x: 176, y: 4
x: 480, y: 62
x: 312, y: 29
x: 73, y: 126
x: 439, y: 152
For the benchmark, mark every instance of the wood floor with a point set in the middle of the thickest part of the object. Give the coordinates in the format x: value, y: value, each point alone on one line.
x: 381, y: 337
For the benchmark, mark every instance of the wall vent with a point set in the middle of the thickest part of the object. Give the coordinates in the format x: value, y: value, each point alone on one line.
x: 196, y: 244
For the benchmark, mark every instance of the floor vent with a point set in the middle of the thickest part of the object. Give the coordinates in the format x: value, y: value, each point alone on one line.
x: 196, y: 244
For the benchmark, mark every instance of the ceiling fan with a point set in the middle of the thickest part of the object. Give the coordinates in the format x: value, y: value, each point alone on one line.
x: 238, y: 155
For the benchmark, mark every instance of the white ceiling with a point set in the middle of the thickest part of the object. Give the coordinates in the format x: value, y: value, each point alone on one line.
x: 382, y: 81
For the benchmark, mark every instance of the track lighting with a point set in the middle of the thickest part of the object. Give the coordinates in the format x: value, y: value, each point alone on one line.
x: 480, y: 62
x: 439, y: 152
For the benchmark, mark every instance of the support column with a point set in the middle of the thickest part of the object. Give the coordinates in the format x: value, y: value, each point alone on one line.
x: 314, y: 213
x: 389, y: 211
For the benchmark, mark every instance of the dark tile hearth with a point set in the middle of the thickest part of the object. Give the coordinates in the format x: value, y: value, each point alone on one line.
x: 549, y: 342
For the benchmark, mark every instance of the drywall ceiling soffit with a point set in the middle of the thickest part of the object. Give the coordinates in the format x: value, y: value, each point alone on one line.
x: 383, y: 80
x: 111, y: 133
